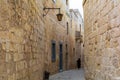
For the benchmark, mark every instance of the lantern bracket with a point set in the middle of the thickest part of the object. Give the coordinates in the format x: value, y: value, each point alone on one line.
x: 49, y: 9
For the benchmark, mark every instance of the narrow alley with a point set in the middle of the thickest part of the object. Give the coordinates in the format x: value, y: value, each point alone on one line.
x: 53, y: 39
x: 69, y: 75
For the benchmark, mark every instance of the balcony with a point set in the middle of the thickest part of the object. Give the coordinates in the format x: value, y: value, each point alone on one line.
x: 77, y: 35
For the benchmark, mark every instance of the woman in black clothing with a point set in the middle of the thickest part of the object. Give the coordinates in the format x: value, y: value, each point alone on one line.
x: 78, y: 63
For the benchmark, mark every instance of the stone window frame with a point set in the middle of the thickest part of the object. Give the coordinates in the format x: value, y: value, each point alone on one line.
x: 53, y: 50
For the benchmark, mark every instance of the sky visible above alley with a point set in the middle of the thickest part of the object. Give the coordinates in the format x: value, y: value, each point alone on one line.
x: 76, y: 4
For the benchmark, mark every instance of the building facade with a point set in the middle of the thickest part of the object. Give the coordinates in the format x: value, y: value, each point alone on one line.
x: 30, y: 43
x: 59, y: 43
x: 78, y: 27
x: 102, y: 39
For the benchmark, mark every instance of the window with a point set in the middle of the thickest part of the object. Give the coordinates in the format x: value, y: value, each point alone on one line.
x: 66, y: 2
x: 73, y: 50
x: 66, y: 47
x: 67, y: 28
x: 80, y: 27
x: 53, y: 51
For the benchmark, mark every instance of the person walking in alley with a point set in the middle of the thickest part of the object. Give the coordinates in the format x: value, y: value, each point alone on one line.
x: 78, y: 63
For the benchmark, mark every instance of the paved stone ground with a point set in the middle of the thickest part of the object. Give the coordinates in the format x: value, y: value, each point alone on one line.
x: 69, y: 75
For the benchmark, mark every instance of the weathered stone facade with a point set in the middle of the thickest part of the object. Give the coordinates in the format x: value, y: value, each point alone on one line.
x: 102, y: 39
x: 78, y: 27
x: 22, y: 40
x: 25, y: 39
x: 60, y: 33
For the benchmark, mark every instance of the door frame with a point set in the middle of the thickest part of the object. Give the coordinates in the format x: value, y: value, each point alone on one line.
x: 60, y: 57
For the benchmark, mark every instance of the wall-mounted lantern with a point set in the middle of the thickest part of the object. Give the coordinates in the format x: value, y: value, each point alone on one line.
x: 59, y: 15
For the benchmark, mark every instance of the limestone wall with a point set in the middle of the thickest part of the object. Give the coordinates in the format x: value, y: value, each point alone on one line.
x: 102, y: 39
x: 57, y: 31
x: 25, y: 39
x: 21, y: 40
x: 77, y: 26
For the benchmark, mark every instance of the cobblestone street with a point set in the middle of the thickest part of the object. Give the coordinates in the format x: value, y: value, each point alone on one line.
x: 69, y: 75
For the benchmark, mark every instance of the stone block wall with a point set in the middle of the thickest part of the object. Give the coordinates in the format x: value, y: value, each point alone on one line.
x: 25, y: 39
x: 77, y: 26
x: 57, y: 31
x: 102, y: 39
x: 21, y: 40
